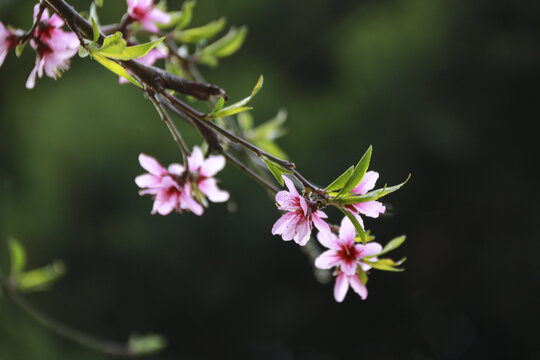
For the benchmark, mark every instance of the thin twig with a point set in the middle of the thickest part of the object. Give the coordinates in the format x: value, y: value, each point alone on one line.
x: 89, y: 341
x: 172, y: 128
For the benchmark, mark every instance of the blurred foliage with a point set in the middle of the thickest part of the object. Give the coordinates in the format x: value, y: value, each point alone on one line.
x: 443, y: 89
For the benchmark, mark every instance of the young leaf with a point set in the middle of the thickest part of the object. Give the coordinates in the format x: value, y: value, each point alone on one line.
x: 114, y: 47
x: 223, y: 47
x: 386, y: 264
x: 196, y: 35
x: 372, y: 195
x: 271, y: 129
x: 147, y: 344
x: 99, y: 3
x: 17, y: 256
x: 359, y: 172
x: 115, y: 68
x: 219, y: 105
x: 42, y: 278
x: 362, y: 275
x: 240, y: 105
x: 356, y: 224
x: 19, y: 49
x: 95, y: 34
x: 185, y: 16
x: 393, y: 244
x: 245, y: 120
x: 341, y: 180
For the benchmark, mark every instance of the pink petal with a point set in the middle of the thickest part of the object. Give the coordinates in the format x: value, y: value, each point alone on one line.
x: 349, y: 267
x: 3, y: 53
x: 367, y: 183
x: 290, y: 186
x: 321, y: 214
x: 212, y: 165
x: 341, y: 287
x: 358, y: 218
x: 189, y: 203
x: 358, y: 286
x: 320, y: 224
x: 168, y: 205
x: 369, y: 249
x: 290, y: 230
x: 347, y: 231
x: 151, y: 165
x: 56, y: 21
x: 303, y: 232
x: 304, y: 206
x: 328, y: 240
x: 196, y: 159
x: 159, y: 16
x: 147, y: 180
x: 371, y: 208
x: 282, y: 223
x: 286, y: 201
x: 31, y: 82
x: 209, y: 188
x: 175, y: 169
x: 328, y: 259
x: 149, y: 25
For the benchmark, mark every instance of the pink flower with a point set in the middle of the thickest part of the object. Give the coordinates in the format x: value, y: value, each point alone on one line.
x: 370, y: 208
x: 145, y: 12
x: 8, y: 40
x: 165, y: 185
x: 297, y: 224
x: 346, y: 256
x: 148, y: 59
x: 203, y: 171
x: 54, y: 47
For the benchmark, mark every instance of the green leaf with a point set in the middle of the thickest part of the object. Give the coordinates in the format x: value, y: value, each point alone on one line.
x: 95, y: 33
x: 19, y: 49
x: 42, y: 278
x: 115, y: 68
x: 196, y: 35
x: 114, y: 47
x: 240, y: 105
x: 219, y: 105
x: 386, y: 264
x: 223, y: 47
x: 341, y: 180
x: 356, y: 224
x: 183, y: 19
x: 82, y: 52
x: 271, y: 147
x: 359, y: 172
x: 276, y: 170
x: 147, y: 344
x: 372, y: 195
x: 393, y: 244
x: 17, y: 256
x: 99, y: 3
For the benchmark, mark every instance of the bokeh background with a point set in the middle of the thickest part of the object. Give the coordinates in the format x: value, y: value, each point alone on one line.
x: 446, y: 90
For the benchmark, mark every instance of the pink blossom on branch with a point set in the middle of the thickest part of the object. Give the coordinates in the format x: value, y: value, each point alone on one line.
x: 54, y: 47
x: 346, y: 256
x: 203, y: 171
x: 8, y: 40
x: 174, y: 189
x: 369, y: 208
x: 298, y: 222
x: 146, y: 13
x: 168, y: 190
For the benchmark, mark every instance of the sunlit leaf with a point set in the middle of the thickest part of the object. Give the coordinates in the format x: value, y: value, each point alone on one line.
x: 359, y: 172
x: 386, y: 264
x: 115, y: 68
x: 19, y: 48
x: 42, y: 278
x: 341, y: 180
x: 276, y: 170
x: 393, y: 244
x: 372, y: 195
x: 114, y: 47
x: 223, y: 47
x: 146, y: 344
x: 240, y: 105
x: 17, y: 256
x: 196, y: 35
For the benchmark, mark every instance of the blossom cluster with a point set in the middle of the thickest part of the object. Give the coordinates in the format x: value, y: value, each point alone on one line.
x: 55, y: 47
x: 178, y: 188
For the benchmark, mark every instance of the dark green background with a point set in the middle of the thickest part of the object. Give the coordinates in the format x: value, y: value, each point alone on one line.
x: 447, y: 90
